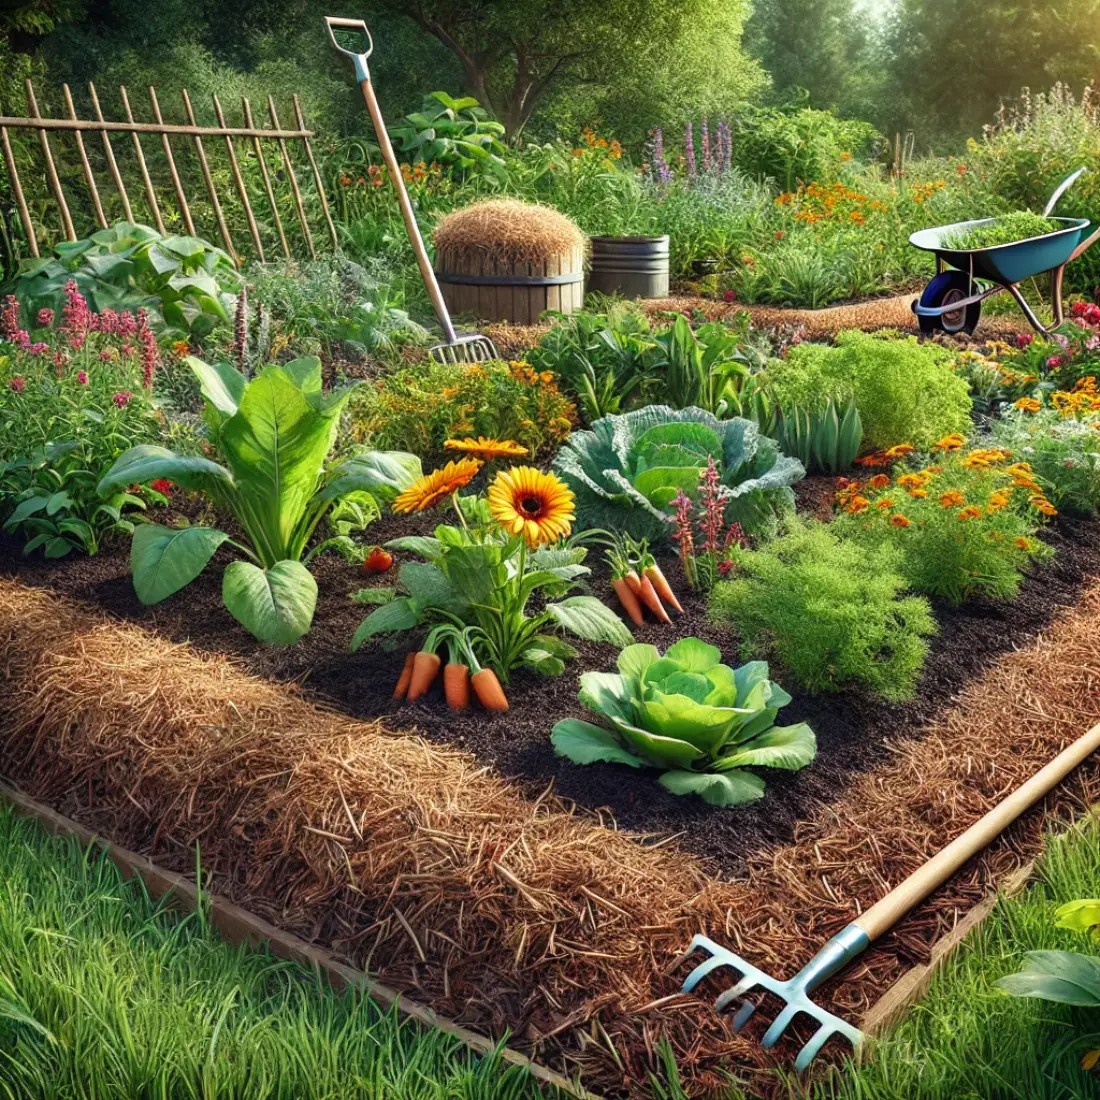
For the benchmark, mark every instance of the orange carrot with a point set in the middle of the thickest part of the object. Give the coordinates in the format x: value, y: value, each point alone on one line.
x: 425, y: 670
x: 405, y: 678
x: 649, y: 597
x: 488, y: 690
x: 634, y: 581
x: 456, y: 685
x: 662, y: 587
x: 629, y: 601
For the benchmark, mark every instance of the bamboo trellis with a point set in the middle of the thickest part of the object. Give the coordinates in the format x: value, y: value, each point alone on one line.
x: 250, y: 135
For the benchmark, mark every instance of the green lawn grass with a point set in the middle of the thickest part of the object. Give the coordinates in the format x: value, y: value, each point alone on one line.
x: 105, y: 993
x: 966, y: 1040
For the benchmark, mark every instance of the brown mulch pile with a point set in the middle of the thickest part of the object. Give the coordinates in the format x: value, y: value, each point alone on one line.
x: 503, y: 912
x: 878, y: 313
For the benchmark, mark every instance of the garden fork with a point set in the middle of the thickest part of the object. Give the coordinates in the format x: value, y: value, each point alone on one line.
x: 351, y: 38
x: 883, y: 915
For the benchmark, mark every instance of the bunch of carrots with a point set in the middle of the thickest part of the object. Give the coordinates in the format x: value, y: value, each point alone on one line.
x: 637, y: 579
x: 461, y: 672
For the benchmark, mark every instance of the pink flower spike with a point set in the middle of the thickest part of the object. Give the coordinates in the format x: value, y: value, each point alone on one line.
x: 45, y: 317
x: 9, y: 317
x: 1054, y: 362
x: 122, y: 399
x: 82, y: 377
x: 17, y: 384
x: 38, y: 349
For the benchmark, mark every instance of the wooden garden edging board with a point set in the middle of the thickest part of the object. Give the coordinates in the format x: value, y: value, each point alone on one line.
x: 238, y: 925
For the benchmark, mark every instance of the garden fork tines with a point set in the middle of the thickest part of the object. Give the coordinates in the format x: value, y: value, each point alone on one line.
x: 878, y: 919
x: 351, y: 38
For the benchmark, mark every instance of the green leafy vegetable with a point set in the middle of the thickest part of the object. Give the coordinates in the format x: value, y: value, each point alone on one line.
x: 627, y: 470
x: 1007, y: 229
x: 274, y: 435
x: 699, y: 720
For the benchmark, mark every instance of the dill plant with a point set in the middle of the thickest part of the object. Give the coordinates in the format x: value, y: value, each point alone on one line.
x: 830, y: 611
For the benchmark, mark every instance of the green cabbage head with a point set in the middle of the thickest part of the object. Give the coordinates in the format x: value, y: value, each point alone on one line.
x: 701, y: 721
x: 627, y: 470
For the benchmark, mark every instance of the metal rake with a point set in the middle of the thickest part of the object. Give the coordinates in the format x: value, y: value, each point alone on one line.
x: 853, y: 939
x: 352, y: 39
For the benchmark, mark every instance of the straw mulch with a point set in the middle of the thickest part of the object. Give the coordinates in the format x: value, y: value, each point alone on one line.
x: 509, y: 231
x: 821, y: 324
x: 505, y: 912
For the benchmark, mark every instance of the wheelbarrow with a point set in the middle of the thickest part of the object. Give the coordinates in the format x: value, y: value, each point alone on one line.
x: 952, y: 301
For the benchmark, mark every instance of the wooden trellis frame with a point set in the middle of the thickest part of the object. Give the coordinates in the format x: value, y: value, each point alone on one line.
x: 253, y: 135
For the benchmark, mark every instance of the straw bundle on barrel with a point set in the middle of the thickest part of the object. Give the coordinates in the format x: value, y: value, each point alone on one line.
x: 503, y: 260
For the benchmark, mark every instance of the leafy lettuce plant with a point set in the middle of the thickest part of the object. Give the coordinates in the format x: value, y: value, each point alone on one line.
x: 475, y: 575
x: 274, y: 435
x: 627, y: 471
x: 703, y: 722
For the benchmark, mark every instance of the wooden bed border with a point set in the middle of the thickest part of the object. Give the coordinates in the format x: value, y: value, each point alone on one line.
x: 238, y: 925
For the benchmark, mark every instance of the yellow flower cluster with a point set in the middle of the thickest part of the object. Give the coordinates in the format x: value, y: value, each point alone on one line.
x: 833, y: 202
x: 1083, y: 401
x: 922, y: 192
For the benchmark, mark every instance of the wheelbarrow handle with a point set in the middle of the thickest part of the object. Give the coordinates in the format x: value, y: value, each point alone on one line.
x: 1060, y: 190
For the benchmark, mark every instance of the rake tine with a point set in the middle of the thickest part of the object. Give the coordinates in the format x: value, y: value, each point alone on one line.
x: 782, y: 1022
x: 813, y: 1047
x: 702, y: 970
x: 743, y: 1014
x: 737, y: 993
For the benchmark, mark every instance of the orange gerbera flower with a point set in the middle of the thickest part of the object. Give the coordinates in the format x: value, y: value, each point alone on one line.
x: 487, y: 449
x: 525, y: 501
x: 429, y: 490
x: 951, y: 499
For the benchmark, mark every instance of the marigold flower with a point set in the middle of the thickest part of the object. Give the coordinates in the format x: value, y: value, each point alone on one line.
x: 951, y: 499
x: 879, y: 481
x: 525, y: 501
x: 857, y: 505
x: 1028, y: 404
x: 898, y: 520
x: 969, y: 512
x: 918, y: 494
x: 1022, y: 544
x: 1042, y: 505
x: 914, y: 480
x: 952, y: 442
x: 900, y: 450
x: 885, y: 504
x: 487, y: 449
x: 430, y: 489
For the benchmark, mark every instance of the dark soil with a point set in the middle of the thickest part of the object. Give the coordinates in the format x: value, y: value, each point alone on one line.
x: 853, y: 730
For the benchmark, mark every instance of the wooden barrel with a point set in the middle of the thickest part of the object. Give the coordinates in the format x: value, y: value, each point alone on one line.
x: 635, y: 267
x: 494, y: 289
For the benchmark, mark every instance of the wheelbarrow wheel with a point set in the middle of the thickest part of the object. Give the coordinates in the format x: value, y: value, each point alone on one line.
x: 945, y: 288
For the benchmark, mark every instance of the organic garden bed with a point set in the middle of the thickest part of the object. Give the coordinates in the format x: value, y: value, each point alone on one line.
x: 853, y: 730
x: 506, y: 911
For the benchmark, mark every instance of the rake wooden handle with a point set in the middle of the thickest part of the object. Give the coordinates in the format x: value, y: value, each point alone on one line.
x: 415, y: 239
x: 885, y: 913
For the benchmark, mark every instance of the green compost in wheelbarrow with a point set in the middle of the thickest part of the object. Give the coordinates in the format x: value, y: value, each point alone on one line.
x: 1005, y: 263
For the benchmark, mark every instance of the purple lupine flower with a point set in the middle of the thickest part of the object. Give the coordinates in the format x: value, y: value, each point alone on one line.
x: 727, y: 147
x: 689, y: 149
x: 705, y: 143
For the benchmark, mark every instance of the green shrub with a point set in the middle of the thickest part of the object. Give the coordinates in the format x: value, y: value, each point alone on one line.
x: 830, y: 611
x: 965, y: 526
x: 906, y: 392
x: 456, y: 134
x: 185, y: 283
x: 419, y: 408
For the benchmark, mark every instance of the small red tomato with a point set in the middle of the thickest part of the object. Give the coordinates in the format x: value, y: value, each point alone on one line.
x: 377, y: 560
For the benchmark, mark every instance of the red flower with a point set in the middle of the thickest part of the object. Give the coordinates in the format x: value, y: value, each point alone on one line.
x: 730, y: 295
x: 122, y: 399
x: 17, y: 384
x: 1025, y: 339
x: 161, y: 485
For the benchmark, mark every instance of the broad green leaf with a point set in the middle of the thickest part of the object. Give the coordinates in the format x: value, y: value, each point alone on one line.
x: 374, y: 596
x: 542, y: 661
x: 274, y: 605
x: 427, y: 584
x: 692, y: 685
x: 790, y: 747
x: 605, y: 693
x: 590, y: 619
x: 401, y: 614
x: 384, y: 474
x: 681, y: 717
x: 662, y: 752
x: 146, y: 463
x: 731, y: 789
x: 660, y: 484
x: 276, y: 445
x: 634, y: 660
x: 165, y: 559
x: 585, y: 743
x: 222, y: 385
x: 1066, y: 977
x: 423, y: 545
x: 27, y: 508
x: 1082, y: 915
x: 693, y: 655
x: 57, y: 501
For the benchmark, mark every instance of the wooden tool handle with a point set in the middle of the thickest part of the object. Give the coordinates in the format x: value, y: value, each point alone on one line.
x: 407, y: 213
x: 890, y: 909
